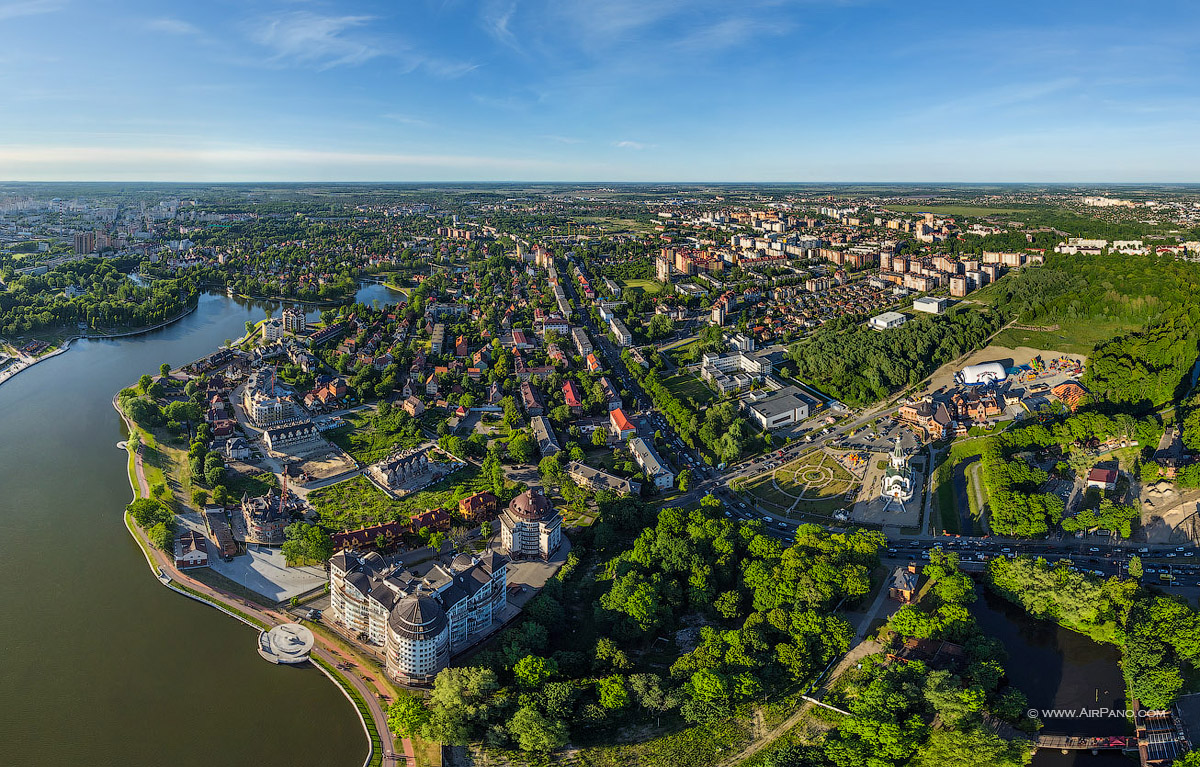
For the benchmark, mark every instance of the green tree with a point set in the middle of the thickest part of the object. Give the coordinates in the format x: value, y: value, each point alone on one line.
x: 532, y: 670
x: 612, y: 692
x: 164, y: 370
x: 199, y: 498
x: 144, y: 383
x: 684, y: 480
x: 521, y: 447
x: 973, y: 748
x: 599, y: 437
x: 408, y: 716
x: 1135, y: 567
x: 534, y: 731
x: 162, y: 536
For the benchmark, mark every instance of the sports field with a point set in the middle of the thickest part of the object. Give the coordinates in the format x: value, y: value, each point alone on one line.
x: 644, y: 285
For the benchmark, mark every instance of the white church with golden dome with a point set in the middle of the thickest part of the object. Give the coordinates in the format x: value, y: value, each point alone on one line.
x: 898, y: 485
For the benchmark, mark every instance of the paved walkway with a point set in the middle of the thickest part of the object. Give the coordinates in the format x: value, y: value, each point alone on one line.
x: 368, y: 687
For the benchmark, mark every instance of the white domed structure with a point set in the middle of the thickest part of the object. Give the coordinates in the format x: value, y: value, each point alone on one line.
x: 530, y: 527
x: 418, y: 638
x: 897, y: 487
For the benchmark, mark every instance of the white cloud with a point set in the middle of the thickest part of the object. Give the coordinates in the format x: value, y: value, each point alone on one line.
x: 28, y: 8
x: 497, y: 17
x: 171, y: 26
x: 308, y: 38
x: 638, y: 145
x: 29, y: 162
x: 406, y: 119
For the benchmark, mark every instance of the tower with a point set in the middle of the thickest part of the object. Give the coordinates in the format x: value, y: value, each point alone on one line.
x: 897, y: 485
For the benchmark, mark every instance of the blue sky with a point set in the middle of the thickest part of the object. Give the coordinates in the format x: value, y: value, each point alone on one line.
x: 687, y: 90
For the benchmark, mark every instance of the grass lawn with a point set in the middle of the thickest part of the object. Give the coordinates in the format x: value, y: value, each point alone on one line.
x: 253, y: 485
x: 643, y: 285
x: 824, y: 496
x: 357, y: 503
x: 1070, y: 336
x: 685, y: 385
x: 369, y: 438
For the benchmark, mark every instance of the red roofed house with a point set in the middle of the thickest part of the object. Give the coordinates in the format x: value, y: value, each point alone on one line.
x: 1105, y: 479
x: 478, y: 506
x: 571, y: 395
x: 593, y: 364
x: 621, y: 425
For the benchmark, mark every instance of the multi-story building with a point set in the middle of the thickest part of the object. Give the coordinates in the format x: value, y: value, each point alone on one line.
x: 582, y: 342
x: 646, y: 457
x: 774, y: 410
x: 420, y: 614
x: 272, y: 330
x: 530, y: 527
x: 595, y: 479
x: 734, y: 371
x: 85, y: 243
x: 262, y: 402
x: 438, y: 339
x: 288, y: 434
x: 264, y: 520
x: 294, y: 320
x: 543, y: 433
x: 620, y: 332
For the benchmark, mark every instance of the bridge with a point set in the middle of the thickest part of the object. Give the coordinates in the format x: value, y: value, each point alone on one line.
x: 1067, y: 743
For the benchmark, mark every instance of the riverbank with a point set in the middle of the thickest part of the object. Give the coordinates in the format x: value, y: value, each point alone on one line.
x: 65, y: 344
x: 364, y: 698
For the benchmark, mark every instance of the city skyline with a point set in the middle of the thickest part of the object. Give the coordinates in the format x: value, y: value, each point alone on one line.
x: 657, y: 90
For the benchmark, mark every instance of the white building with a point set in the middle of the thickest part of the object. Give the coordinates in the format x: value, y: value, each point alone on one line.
x: 294, y: 320
x: 662, y: 477
x: 931, y: 305
x: 530, y: 527
x: 262, y: 401
x: 897, y: 487
x: 774, y: 410
x: 887, y: 321
x: 620, y: 332
x: 421, y: 614
x: 272, y: 330
x: 734, y: 371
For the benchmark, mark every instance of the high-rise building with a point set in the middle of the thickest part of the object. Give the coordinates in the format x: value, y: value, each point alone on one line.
x: 85, y: 243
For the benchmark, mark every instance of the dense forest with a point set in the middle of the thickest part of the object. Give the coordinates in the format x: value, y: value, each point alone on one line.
x: 103, y: 298
x: 1017, y: 505
x: 582, y: 665
x: 858, y: 365
x: 1160, y: 636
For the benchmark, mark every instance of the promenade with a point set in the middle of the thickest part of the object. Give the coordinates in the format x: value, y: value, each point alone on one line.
x: 368, y: 687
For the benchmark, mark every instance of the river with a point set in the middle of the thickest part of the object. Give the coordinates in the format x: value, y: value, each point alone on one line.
x: 1058, y: 668
x: 102, y: 665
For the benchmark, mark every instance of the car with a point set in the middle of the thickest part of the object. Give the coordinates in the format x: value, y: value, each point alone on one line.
x: 1143, y: 550
x: 1189, y: 553
x: 1180, y: 548
x: 782, y: 524
x: 1005, y: 550
x: 1171, y: 554
x: 728, y: 514
x: 1094, y: 550
x: 766, y: 518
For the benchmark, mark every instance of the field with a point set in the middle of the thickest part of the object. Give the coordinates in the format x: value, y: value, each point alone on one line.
x: 812, y: 484
x: 687, y: 386
x: 355, y: 503
x: 370, y: 437
x: 954, y: 210
x: 643, y: 285
x: 1072, y: 337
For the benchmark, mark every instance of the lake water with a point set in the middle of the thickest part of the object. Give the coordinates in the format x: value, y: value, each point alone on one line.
x: 1057, y: 668
x: 101, y: 664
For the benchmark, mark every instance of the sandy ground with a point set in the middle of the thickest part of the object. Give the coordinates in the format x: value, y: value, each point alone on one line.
x: 869, y: 507
x: 1164, y: 512
x: 1008, y: 357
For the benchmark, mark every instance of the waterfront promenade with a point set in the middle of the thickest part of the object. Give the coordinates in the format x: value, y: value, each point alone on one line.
x: 163, y: 568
